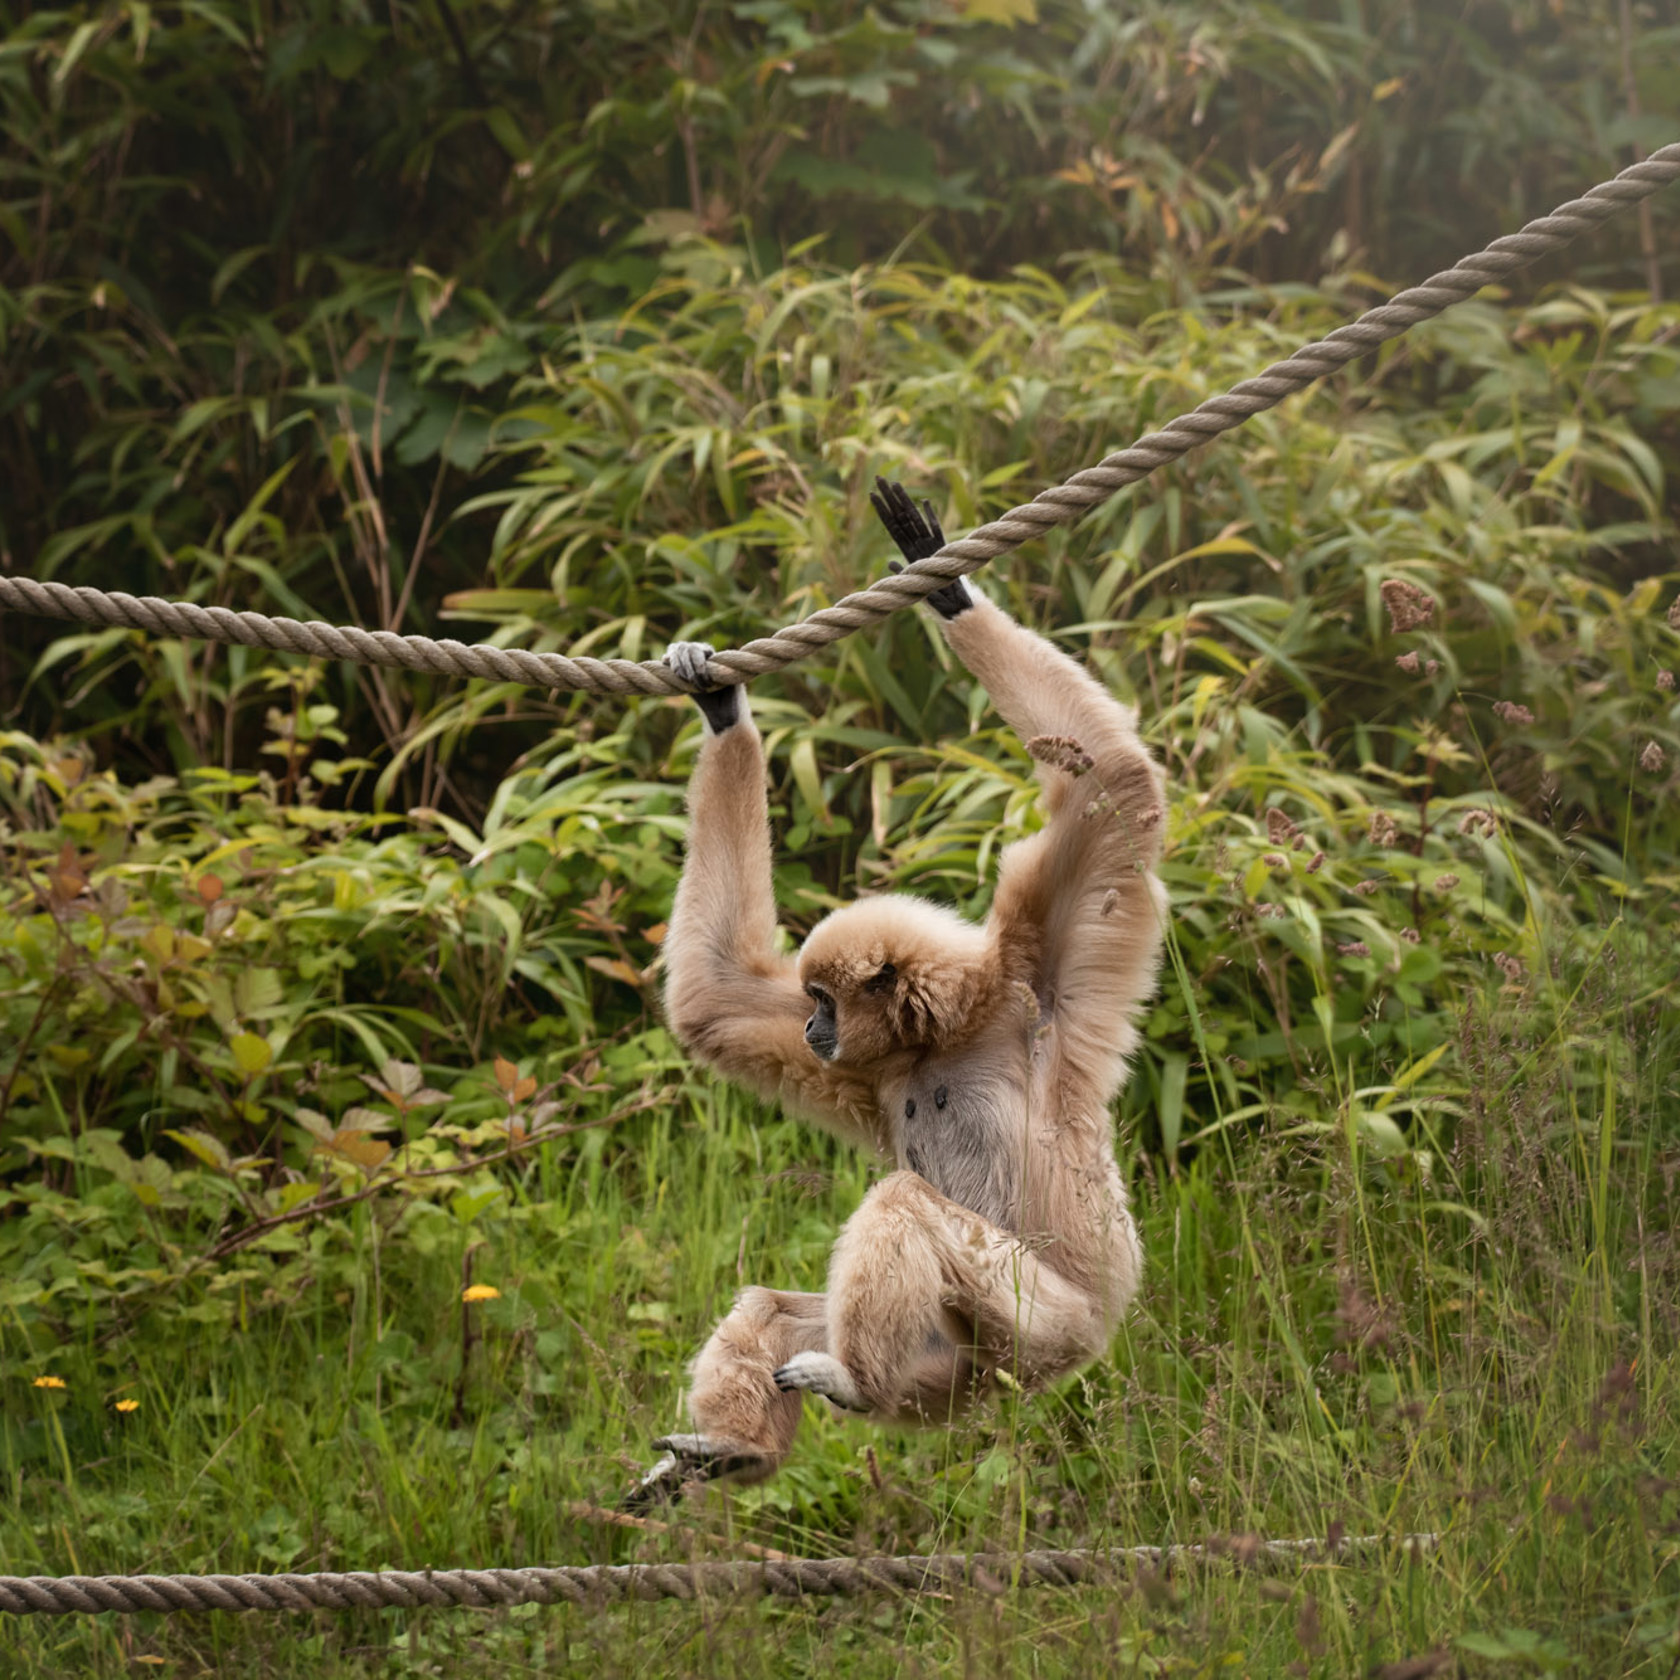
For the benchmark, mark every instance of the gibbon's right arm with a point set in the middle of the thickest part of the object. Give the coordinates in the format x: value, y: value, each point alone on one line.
x: 732, y: 999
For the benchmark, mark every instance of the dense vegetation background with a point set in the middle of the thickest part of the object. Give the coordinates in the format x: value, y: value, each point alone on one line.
x: 327, y: 992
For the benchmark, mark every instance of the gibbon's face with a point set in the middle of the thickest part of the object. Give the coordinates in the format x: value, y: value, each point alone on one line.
x: 864, y: 1027
x: 886, y: 975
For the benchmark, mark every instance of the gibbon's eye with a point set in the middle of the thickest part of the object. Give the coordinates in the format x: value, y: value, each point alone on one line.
x: 818, y: 996
x: 882, y: 980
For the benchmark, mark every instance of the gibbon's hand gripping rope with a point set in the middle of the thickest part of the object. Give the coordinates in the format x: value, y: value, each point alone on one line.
x: 601, y: 1584
x: 956, y: 559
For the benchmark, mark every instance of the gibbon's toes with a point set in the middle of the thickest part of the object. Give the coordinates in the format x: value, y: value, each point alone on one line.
x: 821, y: 1373
x: 660, y: 1486
x: 689, y: 1458
x: 688, y: 660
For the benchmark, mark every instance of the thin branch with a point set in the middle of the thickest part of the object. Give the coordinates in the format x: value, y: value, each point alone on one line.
x: 469, y: 70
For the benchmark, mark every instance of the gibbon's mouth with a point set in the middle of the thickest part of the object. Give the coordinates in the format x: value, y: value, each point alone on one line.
x: 820, y: 1034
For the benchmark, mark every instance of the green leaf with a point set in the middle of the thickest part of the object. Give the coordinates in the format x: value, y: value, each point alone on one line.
x: 251, y: 1054
x: 205, y: 1148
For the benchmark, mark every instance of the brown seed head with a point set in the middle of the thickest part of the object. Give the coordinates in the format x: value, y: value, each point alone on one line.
x: 1674, y: 613
x: 1512, y: 713
x: 1382, y: 831
x: 1409, y: 663
x: 1278, y: 827
x: 1652, y: 757
x: 1665, y: 682
x: 1408, y: 606
x: 1061, y: 752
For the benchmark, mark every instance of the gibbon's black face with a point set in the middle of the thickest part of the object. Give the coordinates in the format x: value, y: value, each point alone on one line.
x: 822, y: 1031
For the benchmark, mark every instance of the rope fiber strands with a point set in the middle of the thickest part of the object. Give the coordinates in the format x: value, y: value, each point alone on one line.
x: 1056, y: 506
x: 598, y: 1585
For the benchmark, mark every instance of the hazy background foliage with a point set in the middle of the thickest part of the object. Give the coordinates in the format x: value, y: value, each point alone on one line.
x: 325, y: 990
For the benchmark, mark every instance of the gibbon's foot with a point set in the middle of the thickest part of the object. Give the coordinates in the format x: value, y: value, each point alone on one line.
x: 689, y: 1458
x: 918, y: 534
x: 821, y: 1373
x: 720, y: 707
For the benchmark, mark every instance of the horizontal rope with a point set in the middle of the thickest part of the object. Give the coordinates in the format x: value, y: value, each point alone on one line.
x: 605, y: 1584
x: 1051, y: 507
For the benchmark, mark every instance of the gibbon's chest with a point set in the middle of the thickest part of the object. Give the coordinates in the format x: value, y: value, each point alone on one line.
x: 960, y: 1123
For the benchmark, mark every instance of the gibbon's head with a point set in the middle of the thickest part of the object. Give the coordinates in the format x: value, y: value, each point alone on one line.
x: 889, y: 974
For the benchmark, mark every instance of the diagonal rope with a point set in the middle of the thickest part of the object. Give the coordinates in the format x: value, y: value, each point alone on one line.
x: 598, y: 1585
x: 1020, y: 525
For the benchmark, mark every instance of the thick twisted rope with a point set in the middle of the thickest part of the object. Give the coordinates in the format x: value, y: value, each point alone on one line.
x: 1020, y: 525
x: 604, y: 1584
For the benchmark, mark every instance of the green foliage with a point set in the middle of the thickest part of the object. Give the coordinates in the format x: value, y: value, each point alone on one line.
x: 327, y: 992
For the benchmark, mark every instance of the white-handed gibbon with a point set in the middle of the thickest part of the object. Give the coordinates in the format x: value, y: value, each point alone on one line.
x: 981, y: 1060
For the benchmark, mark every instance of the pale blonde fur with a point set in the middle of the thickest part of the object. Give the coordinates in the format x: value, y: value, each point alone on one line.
x: 983, y: 1061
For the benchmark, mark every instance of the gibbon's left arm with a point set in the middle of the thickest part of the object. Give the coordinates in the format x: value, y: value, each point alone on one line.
x: 732, y: 999
x: 1078, y: 912
x: 1078, y: 905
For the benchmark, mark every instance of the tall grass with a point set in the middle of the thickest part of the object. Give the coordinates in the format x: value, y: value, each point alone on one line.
x: 1484, y: 1349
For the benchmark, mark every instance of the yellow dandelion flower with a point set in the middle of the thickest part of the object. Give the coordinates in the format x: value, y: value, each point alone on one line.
x: 49, y: 1382
x: 481, y: 1292
x: 128, y: 1405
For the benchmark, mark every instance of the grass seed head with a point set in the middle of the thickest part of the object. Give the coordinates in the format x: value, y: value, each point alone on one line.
x: 1061, y: 752
x: 1408, y: 606
x: 1510, y: 712
x: 1665, y: 682
x: 1652, y: 757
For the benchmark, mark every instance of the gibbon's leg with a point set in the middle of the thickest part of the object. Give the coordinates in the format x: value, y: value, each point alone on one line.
x: 911, y: 1265
x: 743, y: 1424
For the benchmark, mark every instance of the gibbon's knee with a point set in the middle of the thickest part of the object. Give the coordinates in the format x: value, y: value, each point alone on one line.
x: 891, y: 1285
x: 912, y: 1265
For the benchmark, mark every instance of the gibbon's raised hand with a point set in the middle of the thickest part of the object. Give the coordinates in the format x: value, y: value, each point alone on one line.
x: 980, y: 1060
x: 918, y: 535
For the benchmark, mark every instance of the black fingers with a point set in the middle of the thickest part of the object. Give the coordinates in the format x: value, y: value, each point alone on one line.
x: 916, y: 531
x: 721, y: 707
